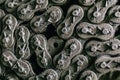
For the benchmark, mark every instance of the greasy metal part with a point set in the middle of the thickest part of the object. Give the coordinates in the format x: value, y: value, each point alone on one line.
x: 88, y: 75
x: 79, y: 63
x: 67, y: 74
x: 49, y: 74
x: 74, y: 15
x: 8, y: 59
x: 71, y: 49
x: 11, y: 76
x: 11, y: 5
x: 55, y: 45
x: 62, y: 60
x: 23, y: 69
x: 26, y: 11
x: 39, y: 23
x: 59, y: 39
x: 22, y: 42
x: 102, y: 31
x: 106, y: 64
x: 96, y: 14
x: 39, y: 45
x: 9, y: 25
x: 96, y: 48
x: 114, y: 14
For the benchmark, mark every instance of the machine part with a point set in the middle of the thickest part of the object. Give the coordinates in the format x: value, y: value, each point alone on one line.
x: 26, y: 11
x: 11, y: 76
x: 102, y: 31
x: 49, y: 74
x: 40, y: 48
x: 7, y: 37
x: 22, y: 34
x: 12, y: 5
x: 10, y: 22
x: 55, y: 45
x: 66, y: 28
x: 39, y: 23
x: 96, y: 48
x: 79, y: 63
x: 8, y: 59
x: 114, y: 14
x: 22, y: 51
x: 62, y: 60
x: 22, y: 42
x: 23, y: 69
x: 96, y: 14
x: 88, y: 75
x: 73, y: 47
x: 59, y: 39
x: 106, y: 64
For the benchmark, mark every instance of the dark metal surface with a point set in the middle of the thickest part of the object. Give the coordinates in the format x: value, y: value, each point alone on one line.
x: 59, y: 40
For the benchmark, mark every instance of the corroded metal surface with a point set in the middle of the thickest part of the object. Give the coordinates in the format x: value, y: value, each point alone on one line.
x: 59, y: 39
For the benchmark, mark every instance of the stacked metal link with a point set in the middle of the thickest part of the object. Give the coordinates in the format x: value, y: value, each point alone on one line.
x: 59, y: 39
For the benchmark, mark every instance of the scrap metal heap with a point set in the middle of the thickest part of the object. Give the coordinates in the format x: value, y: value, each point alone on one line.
x: 59, y: 39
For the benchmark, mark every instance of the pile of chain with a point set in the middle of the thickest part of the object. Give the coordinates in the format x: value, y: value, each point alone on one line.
x: 59, y: 39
